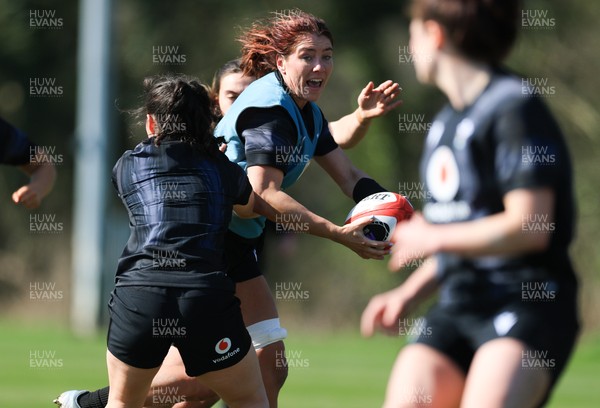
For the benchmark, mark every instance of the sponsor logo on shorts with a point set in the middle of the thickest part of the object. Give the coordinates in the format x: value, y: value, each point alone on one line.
x: 222, y: 347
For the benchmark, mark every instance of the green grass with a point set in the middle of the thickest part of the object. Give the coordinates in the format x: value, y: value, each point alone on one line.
x: 326, y: 370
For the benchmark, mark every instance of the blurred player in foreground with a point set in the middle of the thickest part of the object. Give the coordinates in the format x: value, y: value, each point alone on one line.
x: 17, y: 150
x: 495, y: 233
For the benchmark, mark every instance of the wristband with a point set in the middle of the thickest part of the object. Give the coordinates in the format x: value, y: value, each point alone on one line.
x: 364, y: 188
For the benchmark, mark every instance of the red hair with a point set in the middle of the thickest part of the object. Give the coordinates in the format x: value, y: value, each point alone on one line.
x: 278, y: 35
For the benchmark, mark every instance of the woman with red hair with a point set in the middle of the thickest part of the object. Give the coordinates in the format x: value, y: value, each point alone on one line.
x: 273, y: 130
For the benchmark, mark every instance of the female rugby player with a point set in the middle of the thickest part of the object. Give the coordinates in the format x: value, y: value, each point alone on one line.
x: 171, y: 282
x: 258, y: 306
x: 496, y: 230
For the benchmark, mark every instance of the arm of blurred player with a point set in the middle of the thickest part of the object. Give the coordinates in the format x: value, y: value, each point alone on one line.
x: 42, y: 177
x: 384, y: 310
x: 266, y: 182
x: 497, y: 234
x: 373, y: 102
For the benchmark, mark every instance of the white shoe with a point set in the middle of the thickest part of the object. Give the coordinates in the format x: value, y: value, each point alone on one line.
x: 68, y: 399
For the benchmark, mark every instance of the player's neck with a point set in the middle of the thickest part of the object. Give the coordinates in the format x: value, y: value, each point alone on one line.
x: 463, y: 81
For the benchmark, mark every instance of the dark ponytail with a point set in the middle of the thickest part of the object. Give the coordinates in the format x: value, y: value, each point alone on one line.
x: 183, y: 110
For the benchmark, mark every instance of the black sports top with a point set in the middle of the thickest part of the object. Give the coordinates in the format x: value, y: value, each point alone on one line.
x: 179, y: 203
x: 505, y: 140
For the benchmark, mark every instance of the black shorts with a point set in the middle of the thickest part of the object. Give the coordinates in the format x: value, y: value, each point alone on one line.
x: 548, y: 327
x: 206, y: 326
x: 242, y: 256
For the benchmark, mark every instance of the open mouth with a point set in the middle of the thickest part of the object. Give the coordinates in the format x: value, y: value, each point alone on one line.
x: 314, y: 83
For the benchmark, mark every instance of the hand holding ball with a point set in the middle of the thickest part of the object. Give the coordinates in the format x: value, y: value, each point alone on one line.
x: 386, y: 209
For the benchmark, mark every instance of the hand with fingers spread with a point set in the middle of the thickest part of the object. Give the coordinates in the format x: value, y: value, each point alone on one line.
x: 374, y: 102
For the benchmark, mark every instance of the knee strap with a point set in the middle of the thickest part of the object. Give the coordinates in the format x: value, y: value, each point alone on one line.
x: 266, y: 332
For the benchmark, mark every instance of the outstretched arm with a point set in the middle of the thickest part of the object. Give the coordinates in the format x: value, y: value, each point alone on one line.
x: 506, y: 233
x: 266, y: 182
x: 373, y: 102
x: 42, y: 177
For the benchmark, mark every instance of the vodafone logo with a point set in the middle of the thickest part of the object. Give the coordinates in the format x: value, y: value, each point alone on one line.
x: 223, y: 345
x: 443, y: 177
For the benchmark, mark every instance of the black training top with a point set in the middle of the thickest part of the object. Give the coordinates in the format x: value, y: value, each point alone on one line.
x: 505, y: 140
x: 15, y: 148
x: 179, y: 203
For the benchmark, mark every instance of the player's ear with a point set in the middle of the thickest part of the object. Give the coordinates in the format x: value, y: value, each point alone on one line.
x: 436, y: 33
x: 150, y: 125
x: 280, y: 62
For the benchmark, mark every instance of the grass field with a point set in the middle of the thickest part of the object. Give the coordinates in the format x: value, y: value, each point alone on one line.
x: 326, y: 370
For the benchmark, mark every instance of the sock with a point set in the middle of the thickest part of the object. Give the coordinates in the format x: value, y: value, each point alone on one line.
x: 94, y: 399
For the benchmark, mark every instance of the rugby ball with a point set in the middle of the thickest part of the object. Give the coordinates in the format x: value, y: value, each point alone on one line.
x: 387, y: 210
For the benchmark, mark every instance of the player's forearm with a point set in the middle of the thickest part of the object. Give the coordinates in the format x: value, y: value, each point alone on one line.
x: 349, y: 130
x: 421, y: 284
x: 294, y: 217
x: 495, y: 235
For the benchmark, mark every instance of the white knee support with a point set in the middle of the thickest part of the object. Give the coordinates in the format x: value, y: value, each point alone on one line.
x: 266, y: 332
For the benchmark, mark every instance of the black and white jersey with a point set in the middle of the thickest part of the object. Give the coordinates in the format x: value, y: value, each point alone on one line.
x: 505, y: 140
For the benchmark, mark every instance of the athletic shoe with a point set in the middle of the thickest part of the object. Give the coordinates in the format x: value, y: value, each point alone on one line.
x: 68, y: 399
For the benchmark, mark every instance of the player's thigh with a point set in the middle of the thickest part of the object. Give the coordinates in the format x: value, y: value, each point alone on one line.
x: 246, y: 391
x: 498, y: 378
x: 172, y: 379
x: 424, y: 377
x: 128, y: 385
x: 256, y: 299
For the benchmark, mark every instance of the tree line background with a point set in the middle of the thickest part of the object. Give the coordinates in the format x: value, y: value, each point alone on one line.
x: 370, y: 40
